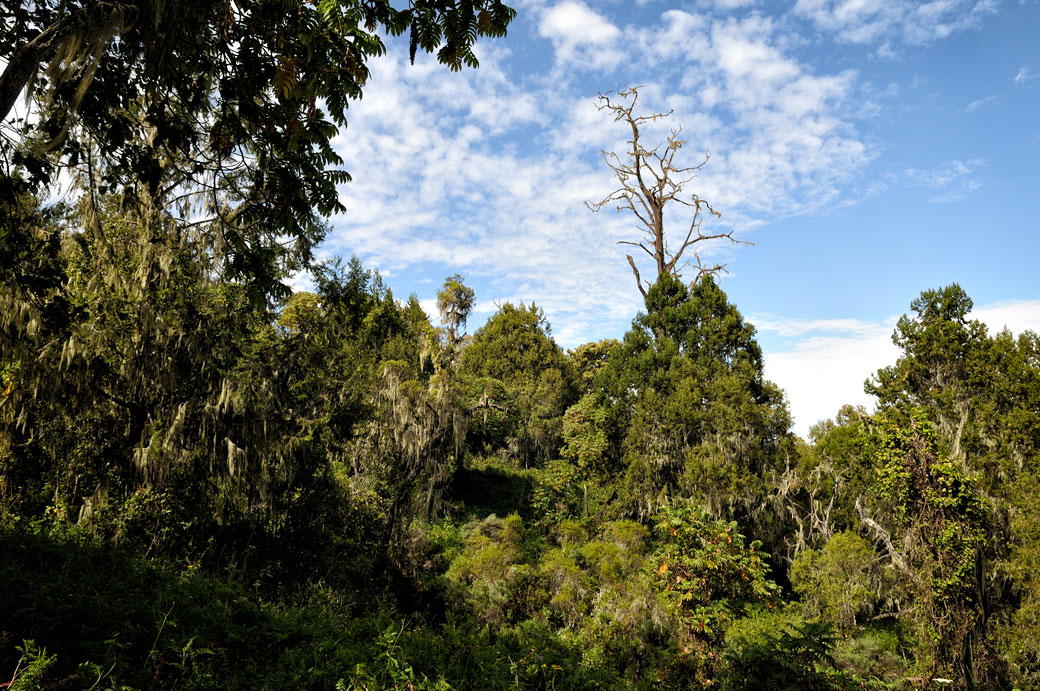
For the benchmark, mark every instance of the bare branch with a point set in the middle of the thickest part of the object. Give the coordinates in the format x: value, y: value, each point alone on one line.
x: 650, y: 178
x: 636, y: 244
x: 639, y: 280
x: 883, y: 537
x: 705, y: 270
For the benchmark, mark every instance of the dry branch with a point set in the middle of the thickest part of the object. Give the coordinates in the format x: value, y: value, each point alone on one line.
x: 650, y: 179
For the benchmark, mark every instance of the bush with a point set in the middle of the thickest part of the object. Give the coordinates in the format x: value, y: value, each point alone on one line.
x: 486, y: 571
x: 780, y: 651
x: 842, y: 581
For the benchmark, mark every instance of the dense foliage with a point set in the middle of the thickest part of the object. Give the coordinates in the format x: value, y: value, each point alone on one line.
x: 228, y: 125
x: 209, y: 482
x: 343, y: 495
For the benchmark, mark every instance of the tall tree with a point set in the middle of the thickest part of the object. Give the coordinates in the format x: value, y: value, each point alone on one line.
x: 651, y: 179
x: 152, y: 401
x: 983, y: 394
x: 227, y: 125
x: 454, y: 302
x: 418, y: 434
x: 514, y: 354
x: 704, y: 426
x: 944, y: 355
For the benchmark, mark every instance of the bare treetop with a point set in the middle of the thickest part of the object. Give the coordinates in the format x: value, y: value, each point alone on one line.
x: 650, y: 179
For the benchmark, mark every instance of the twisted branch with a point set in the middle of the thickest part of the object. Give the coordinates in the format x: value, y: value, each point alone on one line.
x: 650, y: 179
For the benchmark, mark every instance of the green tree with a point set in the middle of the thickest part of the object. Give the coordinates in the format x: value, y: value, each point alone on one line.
x: 221, y: 124
x: 300, y: 312
x: 585, y: 434
x: 514, y: 354
x: 820, y: 484
x: 932, y: 525
x: 1018, y: 631
x: 454, y: 302
x: 942, y: 361
x: 983, y: 392
x: 843, y: 580
x: 703, y: 424
x: 588, y: 359
x: 161, y: 407
x: 709, y: 575
x: 114, y: 376
x: 416, y: 439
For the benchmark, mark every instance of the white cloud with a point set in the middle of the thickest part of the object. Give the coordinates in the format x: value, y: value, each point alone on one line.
x: 946, y: 174
x: 485, y: 173
x: 1015, y: 315
x: 889, y: 22
x: 824, y: 372
x: 771, y: 124
x: 679, y: 36
x: 580, y: 36
x: 950, y: 181
x: 829, y: 360
x: 981, y: 103
x: 789, y: 328
x: 1024, y: 75
x: 300, y: 281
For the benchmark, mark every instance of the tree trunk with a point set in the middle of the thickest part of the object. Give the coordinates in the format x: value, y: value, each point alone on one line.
x: 41, y: 49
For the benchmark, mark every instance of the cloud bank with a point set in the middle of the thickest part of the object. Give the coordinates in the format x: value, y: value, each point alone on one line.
x: 832, y: 359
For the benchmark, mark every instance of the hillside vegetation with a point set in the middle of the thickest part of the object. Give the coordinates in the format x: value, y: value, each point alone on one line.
x: 209, y: 481
x: 332, y: 492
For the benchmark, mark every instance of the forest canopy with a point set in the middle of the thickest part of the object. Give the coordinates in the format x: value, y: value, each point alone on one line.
x: 208, y: 480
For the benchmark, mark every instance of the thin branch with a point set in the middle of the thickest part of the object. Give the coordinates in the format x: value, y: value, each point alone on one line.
x: 650, y: 178
x: 882, y: 536
x: 639, y: 280
x: 637, y: 244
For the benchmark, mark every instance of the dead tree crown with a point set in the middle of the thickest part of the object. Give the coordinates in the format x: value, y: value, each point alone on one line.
x: 650, y: 179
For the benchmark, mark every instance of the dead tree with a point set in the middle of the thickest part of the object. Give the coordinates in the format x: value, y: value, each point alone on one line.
x: 650, y: 179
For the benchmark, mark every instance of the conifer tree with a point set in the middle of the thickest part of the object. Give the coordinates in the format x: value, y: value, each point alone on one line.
x: 704, y: 427
x: 514, y: 359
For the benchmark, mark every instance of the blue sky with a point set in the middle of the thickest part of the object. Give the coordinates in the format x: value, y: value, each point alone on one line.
x: 870, y: 149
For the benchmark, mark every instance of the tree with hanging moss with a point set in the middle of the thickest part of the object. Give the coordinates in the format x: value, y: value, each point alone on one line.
x: 930, y: 522
x: 228, y: 127
x: 981, y: 393
x: 514, y: 359
x: 704, y: 427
